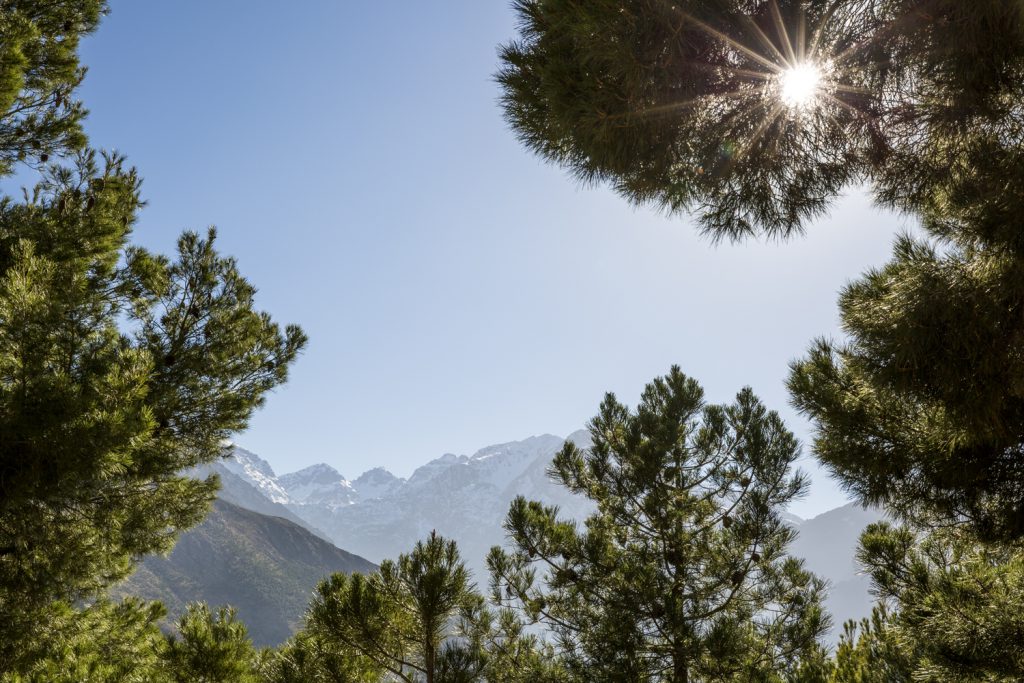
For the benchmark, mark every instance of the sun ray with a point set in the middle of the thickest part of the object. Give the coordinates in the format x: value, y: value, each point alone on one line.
x: 780, y: 26
x: 801, y: 37
x: 881, y: 35
x: 673, y: 106
x: 771, y: 116
x: 753, y: 54
x: 847, y: 106
x: 819, y: 32
x: 852, y: 89
x: 765, y: 40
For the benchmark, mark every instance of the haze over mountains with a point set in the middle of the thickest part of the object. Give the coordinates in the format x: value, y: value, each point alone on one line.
x: 378, y: 515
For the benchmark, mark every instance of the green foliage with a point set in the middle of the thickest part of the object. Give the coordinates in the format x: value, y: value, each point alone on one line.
x: 39, y: 71
x: 118, y: 369
x: 103, y: 643
x: 870, y: 652
x: 681, y: 574
x: 922, y: 410
x: 210, y: 648
x: 959, y: 604
x: 307, y: 658
x: 414, y: 618
x: 513, y: 653
x: 678, y: 104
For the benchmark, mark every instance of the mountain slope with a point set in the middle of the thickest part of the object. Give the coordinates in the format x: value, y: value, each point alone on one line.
x: 828, y: 544
x: 265, y: 566
x: 466, y: 498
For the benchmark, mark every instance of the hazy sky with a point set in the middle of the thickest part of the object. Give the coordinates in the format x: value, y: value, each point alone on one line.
x: 457, y: 291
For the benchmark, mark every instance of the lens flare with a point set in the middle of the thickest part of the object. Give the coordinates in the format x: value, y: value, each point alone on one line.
x: 800, y: 85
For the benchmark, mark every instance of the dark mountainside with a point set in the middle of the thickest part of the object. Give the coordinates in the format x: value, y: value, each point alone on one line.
x: 265, y: 566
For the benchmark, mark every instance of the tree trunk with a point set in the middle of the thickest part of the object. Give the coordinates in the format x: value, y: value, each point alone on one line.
x: 429, y: 660
x: 680, y: 670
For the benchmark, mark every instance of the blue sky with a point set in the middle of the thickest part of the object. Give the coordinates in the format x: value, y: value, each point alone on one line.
x: 457, y: 291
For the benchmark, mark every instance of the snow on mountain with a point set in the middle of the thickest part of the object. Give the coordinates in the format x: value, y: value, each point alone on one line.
x: 256, y: 471
x: 376, y: 483
x: 501, y: 464
x: 466, y: 498
x: 318, y: 485
x: 379, y: 515
x: 427, y: 472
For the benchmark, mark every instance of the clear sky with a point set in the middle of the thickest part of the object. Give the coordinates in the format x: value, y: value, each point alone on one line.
x: 457, y: 291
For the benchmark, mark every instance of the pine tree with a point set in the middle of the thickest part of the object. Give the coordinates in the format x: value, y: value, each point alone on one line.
x: 104, y: 642
x: 210, y: 647
x: 39, y: 71
x: 871, y: 652
x: 118, y: 370
x: 682, y: 104
x: 922, y: 410
x: 681, y: 573
x: 307, y: 658
x: 414, y: 618
x: 514, y: 652
x: 958, y: 604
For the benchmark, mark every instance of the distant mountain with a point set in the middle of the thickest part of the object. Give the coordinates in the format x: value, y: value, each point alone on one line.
x: 256, y: 471
x: 828, y: 543
x: 462, y: 497
x: 241, y: 491
x: 466, y: 498
x: 318, y: 485
x: 265, y: 566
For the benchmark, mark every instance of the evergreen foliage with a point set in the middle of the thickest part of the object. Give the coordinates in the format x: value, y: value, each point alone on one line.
x: 39, y: 71
x: 118, y: 369
x: 959, y: 604
x: 870, y: 652
x: 307, y: 658
x: 677, y: 104
x: 210, y: 647
x: 681, y: 574
x: 922, y: 410
x: 105, y: 642
x: 413, y: 618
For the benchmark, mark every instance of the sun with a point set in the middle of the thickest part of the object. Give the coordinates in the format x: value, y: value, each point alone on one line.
x: 800, y: 85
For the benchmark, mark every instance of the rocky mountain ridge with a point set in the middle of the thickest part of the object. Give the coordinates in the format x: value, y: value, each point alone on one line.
x: 378, y: 515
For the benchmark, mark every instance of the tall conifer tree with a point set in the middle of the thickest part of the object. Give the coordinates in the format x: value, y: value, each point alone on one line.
x: 681, y: 574
x: 118, y: 368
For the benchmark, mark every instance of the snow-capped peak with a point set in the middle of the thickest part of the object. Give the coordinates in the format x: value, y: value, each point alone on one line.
x: 427, y: 472
x: 257, y: 472
x: 318, y: 484
x: 376, y: 483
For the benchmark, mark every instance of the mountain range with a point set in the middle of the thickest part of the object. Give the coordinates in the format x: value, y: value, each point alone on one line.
x: 378, y: 515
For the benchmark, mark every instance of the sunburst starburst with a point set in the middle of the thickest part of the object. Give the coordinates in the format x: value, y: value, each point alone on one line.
x: 800, y: 85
